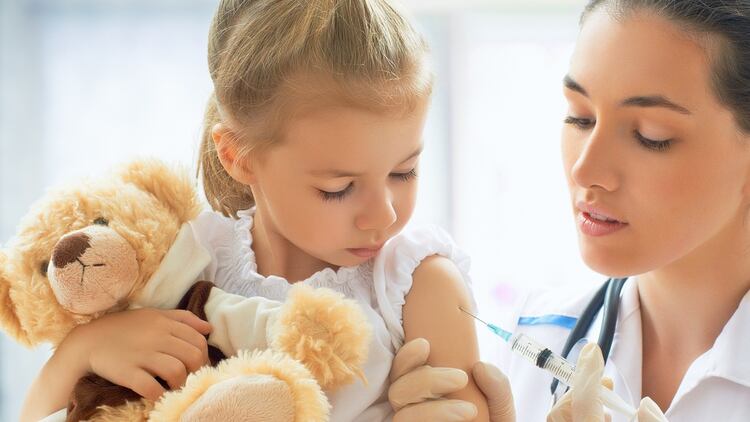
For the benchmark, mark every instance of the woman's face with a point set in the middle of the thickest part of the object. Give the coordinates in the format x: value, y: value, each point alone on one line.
x: 658, y: 169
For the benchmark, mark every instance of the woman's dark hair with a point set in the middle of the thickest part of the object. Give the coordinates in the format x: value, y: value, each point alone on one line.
x: 727, y: 20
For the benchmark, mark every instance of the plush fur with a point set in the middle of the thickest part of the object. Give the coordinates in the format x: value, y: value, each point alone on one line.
x: 319, y: 340
x: 321, y: 330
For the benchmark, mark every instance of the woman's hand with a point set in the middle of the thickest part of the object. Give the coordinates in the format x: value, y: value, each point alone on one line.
x: 416, y: 389
x: 583, y: 403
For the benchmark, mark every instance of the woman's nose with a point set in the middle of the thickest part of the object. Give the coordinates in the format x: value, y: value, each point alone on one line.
x: 596, y: 163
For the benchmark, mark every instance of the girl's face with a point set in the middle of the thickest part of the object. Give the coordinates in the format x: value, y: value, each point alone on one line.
x: 341, y: 182
x: 657, y: 167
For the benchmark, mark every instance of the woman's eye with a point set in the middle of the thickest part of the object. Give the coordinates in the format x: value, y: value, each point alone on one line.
x: 405, y: 177
x: 336, y: 196
x: 652, y: 144
x: 579, y: 122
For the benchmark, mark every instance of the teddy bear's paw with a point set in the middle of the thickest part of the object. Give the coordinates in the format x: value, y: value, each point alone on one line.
x: 134, y: 411
x: 260, y: 386
x: 252, y: 398
x: 324, y: 331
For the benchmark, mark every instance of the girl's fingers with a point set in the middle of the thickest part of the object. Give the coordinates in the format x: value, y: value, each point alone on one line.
x: 190, y: 335
x: 168, y: 368
x: 190, y: 319
x: 192, y: 357
x: 143, y: 383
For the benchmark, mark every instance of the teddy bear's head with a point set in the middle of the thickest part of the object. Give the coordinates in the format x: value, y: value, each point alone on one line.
x: 87, y: 249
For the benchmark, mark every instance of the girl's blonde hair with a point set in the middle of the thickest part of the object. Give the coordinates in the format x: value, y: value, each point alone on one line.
x: 266, y: 55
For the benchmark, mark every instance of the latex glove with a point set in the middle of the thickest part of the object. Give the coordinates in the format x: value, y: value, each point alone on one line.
x: 416, y: 386
x: 649, y: 411
x: 582, y: 402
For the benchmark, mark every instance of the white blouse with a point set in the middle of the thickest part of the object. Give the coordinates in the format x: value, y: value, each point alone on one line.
x: 380, y: 285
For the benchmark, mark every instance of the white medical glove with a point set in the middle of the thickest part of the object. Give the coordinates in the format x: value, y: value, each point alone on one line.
x: 417, y: 389
x: 582, y: 402
x: 649, y: 411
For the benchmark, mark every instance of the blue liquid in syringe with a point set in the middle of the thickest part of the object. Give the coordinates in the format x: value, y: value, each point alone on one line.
x: 506, y: 335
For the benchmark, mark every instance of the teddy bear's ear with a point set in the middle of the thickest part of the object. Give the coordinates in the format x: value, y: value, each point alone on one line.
x: 8, y: 318
x: 171, y: 186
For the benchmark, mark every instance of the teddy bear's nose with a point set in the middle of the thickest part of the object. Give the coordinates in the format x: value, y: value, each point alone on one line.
x: 69, y: 249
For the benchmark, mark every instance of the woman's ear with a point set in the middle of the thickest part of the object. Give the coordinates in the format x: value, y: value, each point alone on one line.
x: 237, y: 163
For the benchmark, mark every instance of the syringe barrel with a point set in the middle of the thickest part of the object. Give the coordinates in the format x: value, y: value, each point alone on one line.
x: 542, y: 357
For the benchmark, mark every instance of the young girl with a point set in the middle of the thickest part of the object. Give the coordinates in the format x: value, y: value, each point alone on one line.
x: 310, y: 151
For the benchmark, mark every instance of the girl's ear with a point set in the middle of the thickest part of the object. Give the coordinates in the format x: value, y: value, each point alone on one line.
x: 238, y: 164
x: 8, y: 319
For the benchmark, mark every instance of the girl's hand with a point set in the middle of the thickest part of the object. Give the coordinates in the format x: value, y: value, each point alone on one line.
x: 132, y: 348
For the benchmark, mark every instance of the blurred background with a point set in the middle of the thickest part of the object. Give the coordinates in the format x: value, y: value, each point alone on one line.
x: 85, y: 84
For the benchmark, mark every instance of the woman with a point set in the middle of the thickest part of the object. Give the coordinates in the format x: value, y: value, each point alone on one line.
x: 656, y: 149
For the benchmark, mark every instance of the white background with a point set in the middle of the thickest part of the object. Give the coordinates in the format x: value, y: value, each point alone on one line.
x: 90, y: 83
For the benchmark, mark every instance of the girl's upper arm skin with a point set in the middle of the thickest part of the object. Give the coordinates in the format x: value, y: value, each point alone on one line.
x: 431, y: 312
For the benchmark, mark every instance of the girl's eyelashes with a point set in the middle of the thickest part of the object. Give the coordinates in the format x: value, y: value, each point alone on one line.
x: 342, y: 194
x: 338, y: 195
x: 651, y: 144
x: 405, y: 177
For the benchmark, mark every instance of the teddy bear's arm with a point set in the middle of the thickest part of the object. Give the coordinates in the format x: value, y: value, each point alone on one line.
x: 238, y: 322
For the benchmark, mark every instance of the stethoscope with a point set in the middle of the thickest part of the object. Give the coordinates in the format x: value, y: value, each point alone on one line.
x: 606, y: 300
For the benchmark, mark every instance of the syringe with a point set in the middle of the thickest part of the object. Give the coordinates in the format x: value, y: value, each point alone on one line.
x: 554, y: 364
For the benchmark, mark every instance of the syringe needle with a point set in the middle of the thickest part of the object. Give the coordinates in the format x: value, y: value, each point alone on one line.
x: 495, y: 329
x: 474, y: 316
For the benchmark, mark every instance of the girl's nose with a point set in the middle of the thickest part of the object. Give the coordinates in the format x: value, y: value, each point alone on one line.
x: 378, y: 215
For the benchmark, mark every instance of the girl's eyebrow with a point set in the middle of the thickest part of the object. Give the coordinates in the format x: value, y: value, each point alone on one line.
x: 336, y: 173
x: 414, y: 154
x: 640, y: 101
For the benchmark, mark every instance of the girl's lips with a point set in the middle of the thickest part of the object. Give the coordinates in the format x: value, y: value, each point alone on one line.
x: 365, y: 252
x: 596, y: 226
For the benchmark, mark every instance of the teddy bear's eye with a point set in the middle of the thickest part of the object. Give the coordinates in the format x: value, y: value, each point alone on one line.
x: 43, y: 268
x: 101, y: 221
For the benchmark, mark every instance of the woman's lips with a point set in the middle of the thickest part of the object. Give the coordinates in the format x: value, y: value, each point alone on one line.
x: 594, y: 226
x: 595, y: 222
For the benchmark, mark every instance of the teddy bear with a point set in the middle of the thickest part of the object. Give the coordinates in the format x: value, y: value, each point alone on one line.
x: 124, y: 242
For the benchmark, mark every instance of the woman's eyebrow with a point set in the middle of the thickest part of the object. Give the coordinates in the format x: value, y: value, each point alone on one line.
x: 655, y: 101
x: 639, y: 101
x: 572, y: 85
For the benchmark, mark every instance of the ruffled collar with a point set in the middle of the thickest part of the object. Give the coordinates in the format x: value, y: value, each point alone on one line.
x: 275, y: 287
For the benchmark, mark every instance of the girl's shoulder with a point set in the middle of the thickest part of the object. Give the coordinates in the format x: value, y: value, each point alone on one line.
x: 211, y: 225
x: 224, y: 238
x: 402, y: 254
x: 394, y: 267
